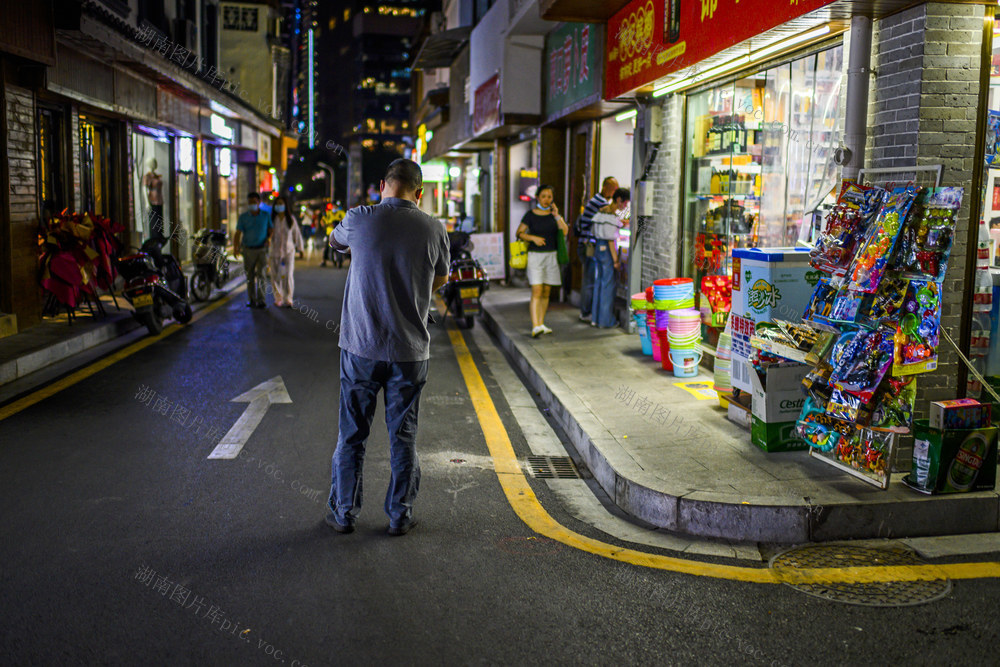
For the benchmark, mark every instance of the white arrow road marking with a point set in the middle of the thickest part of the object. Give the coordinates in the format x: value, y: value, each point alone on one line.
x: 259, y: 398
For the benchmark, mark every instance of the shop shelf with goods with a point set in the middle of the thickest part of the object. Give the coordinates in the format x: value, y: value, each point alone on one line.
x: 885, y: 254
x: 759, y: 167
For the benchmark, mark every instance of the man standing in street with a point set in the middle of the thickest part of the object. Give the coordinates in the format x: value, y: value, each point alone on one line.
x: 253, y: 232
x: 585, y: 248
x: 399, y: 257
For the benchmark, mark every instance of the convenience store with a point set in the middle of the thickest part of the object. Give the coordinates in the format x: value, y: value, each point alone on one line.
x: 750, y: 115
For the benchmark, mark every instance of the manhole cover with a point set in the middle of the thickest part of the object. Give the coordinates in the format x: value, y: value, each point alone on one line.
x: 552, y: 467
x: 871, y: 594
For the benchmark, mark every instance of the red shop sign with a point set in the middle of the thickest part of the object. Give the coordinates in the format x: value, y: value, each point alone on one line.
x: 639, y: 51
x: 486, y: 106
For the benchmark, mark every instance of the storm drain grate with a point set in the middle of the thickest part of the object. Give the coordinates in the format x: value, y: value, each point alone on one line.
x: 871, y: 594
x: 552, y: 467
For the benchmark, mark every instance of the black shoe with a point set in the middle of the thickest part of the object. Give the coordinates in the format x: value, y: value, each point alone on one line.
x: 261, y: 305
x: 250, y: 304
x: 403, y: 528
x: 331, y: 520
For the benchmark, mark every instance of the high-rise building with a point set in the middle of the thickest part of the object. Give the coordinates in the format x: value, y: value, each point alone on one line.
x: 363, y: 80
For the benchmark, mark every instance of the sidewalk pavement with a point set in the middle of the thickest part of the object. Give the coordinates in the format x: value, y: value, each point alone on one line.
x: 667, y: 454
x: 55, y: 340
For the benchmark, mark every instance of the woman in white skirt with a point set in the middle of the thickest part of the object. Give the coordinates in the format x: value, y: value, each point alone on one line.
x: 286, y: 239
x: 540, y: 228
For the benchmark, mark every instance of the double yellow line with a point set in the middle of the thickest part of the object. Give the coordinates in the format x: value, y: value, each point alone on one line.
x: 526, y: 505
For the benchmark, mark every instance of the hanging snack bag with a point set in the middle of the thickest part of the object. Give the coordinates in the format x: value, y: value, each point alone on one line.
x: 820, y: 305
x: 928, y: 236
x: 845, y: 227
x: 886, y: 304
x: 894, y: 404
x: 916, y: 339
x: 870, y: 263
x: 863, y: 373
x: 820, y: 430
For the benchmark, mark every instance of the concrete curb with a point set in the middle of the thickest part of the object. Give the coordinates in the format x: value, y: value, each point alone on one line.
x: 116, y: 326
x: 698, y: 514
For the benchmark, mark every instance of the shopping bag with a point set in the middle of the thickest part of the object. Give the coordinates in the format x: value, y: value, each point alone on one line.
x: 562, y: 252
x: 518, y: 255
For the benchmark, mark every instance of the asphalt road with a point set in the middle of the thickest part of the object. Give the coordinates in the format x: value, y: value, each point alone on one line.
x: 123, y: 544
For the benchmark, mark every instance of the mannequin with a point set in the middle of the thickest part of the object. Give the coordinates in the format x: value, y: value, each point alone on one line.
x: 153, y: 182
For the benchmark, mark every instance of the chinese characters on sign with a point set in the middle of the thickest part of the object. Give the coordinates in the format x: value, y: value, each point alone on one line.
x: 638, y: 52
x: 569, y: 64
x: 572, y: 67
x: 239, y: 18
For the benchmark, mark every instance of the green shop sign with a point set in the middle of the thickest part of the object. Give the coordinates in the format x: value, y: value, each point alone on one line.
x: 574, y: 56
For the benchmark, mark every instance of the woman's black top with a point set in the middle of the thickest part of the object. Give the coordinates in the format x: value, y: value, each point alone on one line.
x: 544, y: 226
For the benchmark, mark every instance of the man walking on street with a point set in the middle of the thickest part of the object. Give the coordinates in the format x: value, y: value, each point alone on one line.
x: 399, y: 257
x: 253, y: 232
x: 585, y: 249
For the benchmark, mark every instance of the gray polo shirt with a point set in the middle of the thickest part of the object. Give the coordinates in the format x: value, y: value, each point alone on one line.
x: 396, y: 250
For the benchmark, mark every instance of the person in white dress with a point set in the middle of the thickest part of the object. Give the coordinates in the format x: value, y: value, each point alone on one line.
x: 286, y: 240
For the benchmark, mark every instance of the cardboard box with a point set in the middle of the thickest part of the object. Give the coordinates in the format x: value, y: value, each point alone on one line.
x: 768, y: 284
x: 776, y: 403
x: 959, y: 413
x: 778, y: 397
x: 776, y: 436
x: 953, y: 460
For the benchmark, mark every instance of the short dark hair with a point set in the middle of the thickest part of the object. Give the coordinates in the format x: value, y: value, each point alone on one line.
x: 253, y: 195
x: 622, y: 193
x: 405, y: 173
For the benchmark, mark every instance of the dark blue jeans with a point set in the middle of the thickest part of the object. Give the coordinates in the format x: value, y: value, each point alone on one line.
x: 603, y: 312
x: 587, y: 283
x: 360, y: 381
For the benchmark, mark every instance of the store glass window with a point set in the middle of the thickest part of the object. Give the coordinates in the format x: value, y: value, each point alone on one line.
x: 759, y: 163
x: 96, y: 167
x: 152, y: 183
x: 51, y: 160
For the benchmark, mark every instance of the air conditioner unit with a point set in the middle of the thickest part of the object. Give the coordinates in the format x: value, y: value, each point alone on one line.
x: 654, y: 124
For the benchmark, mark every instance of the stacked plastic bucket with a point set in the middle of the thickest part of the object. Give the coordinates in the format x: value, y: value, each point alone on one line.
x: 639, y: 308
x: 684, y: 335
x: 670, y: 294
x: 654, y: 335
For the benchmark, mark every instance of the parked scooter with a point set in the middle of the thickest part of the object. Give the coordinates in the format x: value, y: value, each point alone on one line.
x: 210, y: 265
x: 467, y: 281
x: 155, y: 286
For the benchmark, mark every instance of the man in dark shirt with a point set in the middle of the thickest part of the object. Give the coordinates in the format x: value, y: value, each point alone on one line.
x: 585, y: 249
x: 399, y: 257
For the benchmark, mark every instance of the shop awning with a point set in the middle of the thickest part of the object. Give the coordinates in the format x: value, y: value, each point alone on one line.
x: 440, y: 49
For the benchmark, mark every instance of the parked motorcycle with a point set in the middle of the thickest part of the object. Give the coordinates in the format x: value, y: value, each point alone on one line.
x: 467, y: 280
x: 155, y: 286
x: 210, y: 266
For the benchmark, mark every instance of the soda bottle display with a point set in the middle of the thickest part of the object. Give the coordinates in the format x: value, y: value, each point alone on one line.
x: 968, y: 460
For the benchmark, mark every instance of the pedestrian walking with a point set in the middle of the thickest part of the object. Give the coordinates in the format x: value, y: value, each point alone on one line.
x: 586, y: 244
x: 606, y: 224
x: 287, y: 240
x: 399, y: 257
x: 253, y: 233
x: 540, y: 228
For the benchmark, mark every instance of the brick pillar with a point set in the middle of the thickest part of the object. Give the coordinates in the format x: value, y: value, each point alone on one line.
x: 663, y: 233
x: 24, y: 293
x: 923, y: 111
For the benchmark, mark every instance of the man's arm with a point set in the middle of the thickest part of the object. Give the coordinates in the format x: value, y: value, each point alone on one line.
x: 443, y: 264
x: 237, y: 243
